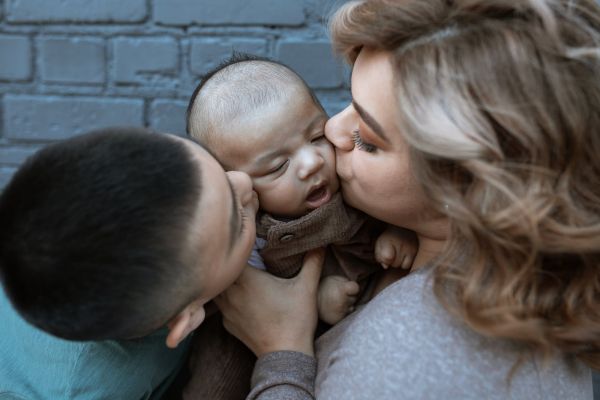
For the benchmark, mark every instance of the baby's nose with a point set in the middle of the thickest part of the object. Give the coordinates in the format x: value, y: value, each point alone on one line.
x: 312, y: 162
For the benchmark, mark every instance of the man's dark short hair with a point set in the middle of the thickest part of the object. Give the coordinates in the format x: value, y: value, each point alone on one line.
x: 92, y: 233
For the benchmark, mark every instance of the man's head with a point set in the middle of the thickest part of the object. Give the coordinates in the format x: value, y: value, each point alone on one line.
x: 260, y: 117
x: 116, y: 233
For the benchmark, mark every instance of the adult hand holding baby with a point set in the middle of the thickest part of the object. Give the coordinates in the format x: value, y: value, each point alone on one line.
x: 273, y: 314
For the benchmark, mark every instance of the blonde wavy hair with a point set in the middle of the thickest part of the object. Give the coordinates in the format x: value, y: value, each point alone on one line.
x: 499, y: 101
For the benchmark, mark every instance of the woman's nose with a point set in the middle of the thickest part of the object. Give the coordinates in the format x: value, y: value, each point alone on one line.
x: 242, y: 184
x: 338, y: 129
x: 311, y: 161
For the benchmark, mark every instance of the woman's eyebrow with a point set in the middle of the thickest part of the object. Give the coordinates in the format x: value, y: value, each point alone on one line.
x: 370, y: 121
x: 234, y: 219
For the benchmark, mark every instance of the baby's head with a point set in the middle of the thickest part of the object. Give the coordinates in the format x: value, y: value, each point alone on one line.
x: 260, y: 117
x: 117, y: 233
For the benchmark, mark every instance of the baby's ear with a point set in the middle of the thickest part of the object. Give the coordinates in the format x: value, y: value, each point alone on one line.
x: 185, y: 322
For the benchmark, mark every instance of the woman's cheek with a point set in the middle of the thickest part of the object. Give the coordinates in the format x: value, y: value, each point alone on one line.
x: 367, y: 172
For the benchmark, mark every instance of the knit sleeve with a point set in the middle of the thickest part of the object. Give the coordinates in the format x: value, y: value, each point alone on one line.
x: 286, y: 375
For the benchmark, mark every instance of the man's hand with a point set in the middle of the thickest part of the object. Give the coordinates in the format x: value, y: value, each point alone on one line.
x: 272, y: 314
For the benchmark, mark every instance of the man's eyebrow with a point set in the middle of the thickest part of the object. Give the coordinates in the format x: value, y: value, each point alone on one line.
x: 234, y: 219
x: 369, y: 120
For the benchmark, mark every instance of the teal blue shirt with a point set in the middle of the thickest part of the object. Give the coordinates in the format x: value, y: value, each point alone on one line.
x: 35, y: 365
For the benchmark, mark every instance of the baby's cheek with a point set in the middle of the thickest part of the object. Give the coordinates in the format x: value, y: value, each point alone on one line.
x: 268, y: 199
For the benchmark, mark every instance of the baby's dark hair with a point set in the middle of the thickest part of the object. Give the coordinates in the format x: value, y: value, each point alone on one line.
x: 93, y: 233
x: 241, y: 84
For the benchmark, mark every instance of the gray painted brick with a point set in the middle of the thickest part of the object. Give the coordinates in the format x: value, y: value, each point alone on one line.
x: 140, y: 59
x: 334, y: 101
x: 77, y: 60
x: 42, y: 118
x: 67, y: 66
x: 15, y: 155
x: 5, y: 176
x: 227, y: 12
x: 206, y: 54
x: 325, y: 8
x: 314, y: 61
x: 76, y: 10
x: 15, y: 53
x: 333, y: 107
x: 168, y: 116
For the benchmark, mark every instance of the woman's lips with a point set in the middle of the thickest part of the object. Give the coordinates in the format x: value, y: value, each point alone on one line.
x: 319, y: 196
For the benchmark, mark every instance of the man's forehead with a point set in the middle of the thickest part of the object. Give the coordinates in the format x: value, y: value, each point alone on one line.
x: 217, y: 216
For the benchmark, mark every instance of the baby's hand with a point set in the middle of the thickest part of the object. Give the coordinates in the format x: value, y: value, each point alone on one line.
x: 336, y: 298
x: 396, y: 247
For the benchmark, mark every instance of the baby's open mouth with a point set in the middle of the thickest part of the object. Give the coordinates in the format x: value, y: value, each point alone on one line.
x: 318, y: 196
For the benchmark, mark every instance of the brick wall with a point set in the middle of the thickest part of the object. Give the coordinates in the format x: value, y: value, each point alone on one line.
x: 68, y: 66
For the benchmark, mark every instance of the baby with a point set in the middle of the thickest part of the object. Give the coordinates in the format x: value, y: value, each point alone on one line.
x: 260, y: 117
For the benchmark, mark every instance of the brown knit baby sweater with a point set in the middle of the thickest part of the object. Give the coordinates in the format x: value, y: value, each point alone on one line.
x: 349, y: 233
x: 221, y: 366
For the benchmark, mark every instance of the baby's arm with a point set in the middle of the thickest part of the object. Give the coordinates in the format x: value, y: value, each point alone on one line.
x: 336, y: 298
x: 396, y: 247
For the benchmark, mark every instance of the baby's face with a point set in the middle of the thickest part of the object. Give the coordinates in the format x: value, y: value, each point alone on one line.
x: 284, y: 150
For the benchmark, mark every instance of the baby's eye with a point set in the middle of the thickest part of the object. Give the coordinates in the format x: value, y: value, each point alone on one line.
x: 360, y: 144
x: 317, y: 138
x: 278, y: 168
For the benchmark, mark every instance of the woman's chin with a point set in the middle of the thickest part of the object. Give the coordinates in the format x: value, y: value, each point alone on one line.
x: 352, y: 200
x: 367, y: 206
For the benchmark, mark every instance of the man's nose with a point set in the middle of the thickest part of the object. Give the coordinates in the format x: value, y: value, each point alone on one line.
x: 242, y: 184
x: 338, y: 129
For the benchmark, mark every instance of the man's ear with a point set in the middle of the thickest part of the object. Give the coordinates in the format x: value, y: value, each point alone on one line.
x: 185, y: 322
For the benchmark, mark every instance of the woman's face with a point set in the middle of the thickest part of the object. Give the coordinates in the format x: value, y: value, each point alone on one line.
x: 371, y: 155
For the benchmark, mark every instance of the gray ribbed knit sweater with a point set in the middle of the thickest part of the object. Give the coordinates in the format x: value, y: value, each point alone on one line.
x: 403, y: 345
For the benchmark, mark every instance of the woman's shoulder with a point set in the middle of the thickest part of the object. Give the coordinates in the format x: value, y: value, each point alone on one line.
x: 404, y: 343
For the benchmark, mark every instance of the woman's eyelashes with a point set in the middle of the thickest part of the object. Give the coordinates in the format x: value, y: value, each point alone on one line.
x: 360, y: 144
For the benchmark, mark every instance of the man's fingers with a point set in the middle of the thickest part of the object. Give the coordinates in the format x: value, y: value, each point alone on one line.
x: 312, y: 266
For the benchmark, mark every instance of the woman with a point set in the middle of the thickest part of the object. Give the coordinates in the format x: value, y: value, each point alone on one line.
x: 475, y: 124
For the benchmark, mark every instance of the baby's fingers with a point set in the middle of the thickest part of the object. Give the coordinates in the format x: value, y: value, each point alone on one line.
x: 407, y: 262
x: 351, y: 288
x: 384, y: 253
